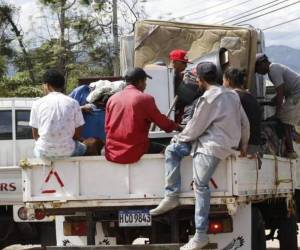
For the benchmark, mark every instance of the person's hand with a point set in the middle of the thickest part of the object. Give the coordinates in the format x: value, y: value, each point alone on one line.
x: 87, y: 108
x: 243, y: 151
x: 174, y: 139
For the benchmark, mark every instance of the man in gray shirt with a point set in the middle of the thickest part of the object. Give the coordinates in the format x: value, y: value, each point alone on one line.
x: 218, y: 125
x: 287, y: 84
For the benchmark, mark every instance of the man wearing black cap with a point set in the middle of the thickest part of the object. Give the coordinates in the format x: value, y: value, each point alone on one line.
x: 287, y: 83
x: 218, y: 125
x: 129, y: 114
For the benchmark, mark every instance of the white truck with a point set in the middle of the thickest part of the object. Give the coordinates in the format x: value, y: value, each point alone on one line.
x: 16, y: 144
x: 101, y: 202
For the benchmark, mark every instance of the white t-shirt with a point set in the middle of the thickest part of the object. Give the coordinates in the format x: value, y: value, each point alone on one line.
x: 56, y: 116
x: 280, y: 74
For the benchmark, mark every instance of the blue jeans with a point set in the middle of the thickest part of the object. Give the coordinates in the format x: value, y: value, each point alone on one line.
x: 203, y: 168
x: 80, y: 149
x: 173, y: 156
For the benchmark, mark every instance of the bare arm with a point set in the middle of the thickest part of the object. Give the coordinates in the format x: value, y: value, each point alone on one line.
x: 159, y: 119
x: 77, y: 133
x: 245, y: 135
x: 87, y: 108
x: 35, y: 134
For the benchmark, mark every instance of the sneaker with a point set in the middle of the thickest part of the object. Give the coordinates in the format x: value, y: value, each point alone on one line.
x: 194, y: 245
x: 167, y: 204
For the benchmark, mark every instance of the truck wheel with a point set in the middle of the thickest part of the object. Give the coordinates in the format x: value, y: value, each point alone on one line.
x: 47, y: 233
x: 258, y: 236
x: 287, y: 234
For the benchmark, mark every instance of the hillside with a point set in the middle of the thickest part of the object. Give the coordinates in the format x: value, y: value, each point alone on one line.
x: 285, y: 55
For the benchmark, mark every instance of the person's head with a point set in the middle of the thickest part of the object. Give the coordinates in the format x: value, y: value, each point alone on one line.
x: 178, y: 60
x: 137, y: 77
x: 206, y: 75
x: 233, y: 78
x: 262, y: 64
x: 53, y: 80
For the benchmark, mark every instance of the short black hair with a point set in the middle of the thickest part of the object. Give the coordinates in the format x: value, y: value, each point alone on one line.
x: 207, y: 71
x: 235, y: 76
x: 54, y: 78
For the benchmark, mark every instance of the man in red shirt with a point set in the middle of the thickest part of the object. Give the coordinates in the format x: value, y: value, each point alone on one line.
x: 129, y: 114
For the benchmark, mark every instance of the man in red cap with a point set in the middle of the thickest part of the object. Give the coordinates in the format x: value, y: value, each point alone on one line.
x: 179, y: 61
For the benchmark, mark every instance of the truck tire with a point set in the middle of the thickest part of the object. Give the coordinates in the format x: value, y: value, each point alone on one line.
x: 287, y: 234
x: 47, y: 233
x: 258, y: 236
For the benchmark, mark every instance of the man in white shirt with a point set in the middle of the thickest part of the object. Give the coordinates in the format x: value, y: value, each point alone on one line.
x: 56, y: 120
x: 218, y: 125
x: 287, y: 84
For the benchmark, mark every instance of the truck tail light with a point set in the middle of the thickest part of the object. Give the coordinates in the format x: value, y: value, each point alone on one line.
x: 215, y: 227
x: 220, y: 225
x: 78, y: 228
x: 23, y: 213
x: 39, y: 214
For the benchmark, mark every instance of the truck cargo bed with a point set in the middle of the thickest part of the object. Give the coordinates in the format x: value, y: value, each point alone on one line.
x: 103, y: 183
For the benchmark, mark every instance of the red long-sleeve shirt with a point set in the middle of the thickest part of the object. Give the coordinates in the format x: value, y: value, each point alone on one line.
x: 129, y: 114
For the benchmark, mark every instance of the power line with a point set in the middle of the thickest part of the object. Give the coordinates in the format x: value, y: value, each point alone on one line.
x: 259, y: 11
x: 286, y: 6
x: 279, y: 24
x: 222, y: 10
x: 188, y: 7
x: 197, y: 11
x: 233, y: 18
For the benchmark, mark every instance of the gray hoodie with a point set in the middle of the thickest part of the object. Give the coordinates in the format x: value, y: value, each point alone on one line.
x: 219, y: 124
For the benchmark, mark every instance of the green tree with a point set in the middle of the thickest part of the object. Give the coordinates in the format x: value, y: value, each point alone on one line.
x: 79, y: 33
x: 75, y: 38
x: 6, y: 50
x: 7, y: 13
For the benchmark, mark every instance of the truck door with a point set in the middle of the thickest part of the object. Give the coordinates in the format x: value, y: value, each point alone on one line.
x: 24, y: 141
x: 6, y: 138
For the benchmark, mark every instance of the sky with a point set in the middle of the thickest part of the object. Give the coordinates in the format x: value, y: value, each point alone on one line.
x: 206, y: 11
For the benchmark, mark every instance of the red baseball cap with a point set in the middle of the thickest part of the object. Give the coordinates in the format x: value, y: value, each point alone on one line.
x: 179, y: 55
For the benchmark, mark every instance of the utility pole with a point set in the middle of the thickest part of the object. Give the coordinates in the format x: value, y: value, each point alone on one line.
x: 116, y: 58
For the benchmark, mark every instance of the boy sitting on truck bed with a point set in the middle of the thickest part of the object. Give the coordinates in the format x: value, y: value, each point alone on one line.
x: 56, y: 120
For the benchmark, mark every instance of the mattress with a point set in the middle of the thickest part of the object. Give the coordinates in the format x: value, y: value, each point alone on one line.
x: 155, y: 39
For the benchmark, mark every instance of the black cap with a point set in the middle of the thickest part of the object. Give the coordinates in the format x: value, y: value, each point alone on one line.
x: 206, y: 69
x: 261, y: 57
x: 136, y: 74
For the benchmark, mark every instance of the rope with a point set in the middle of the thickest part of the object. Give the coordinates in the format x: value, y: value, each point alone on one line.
x: 256, y: 185
x: 277, y: 180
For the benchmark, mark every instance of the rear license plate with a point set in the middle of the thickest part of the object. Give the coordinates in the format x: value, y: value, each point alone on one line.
x: 134, y: 218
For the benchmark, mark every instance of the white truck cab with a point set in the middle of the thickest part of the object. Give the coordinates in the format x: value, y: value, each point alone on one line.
x: 16, y: 144
x: 15, y: 133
